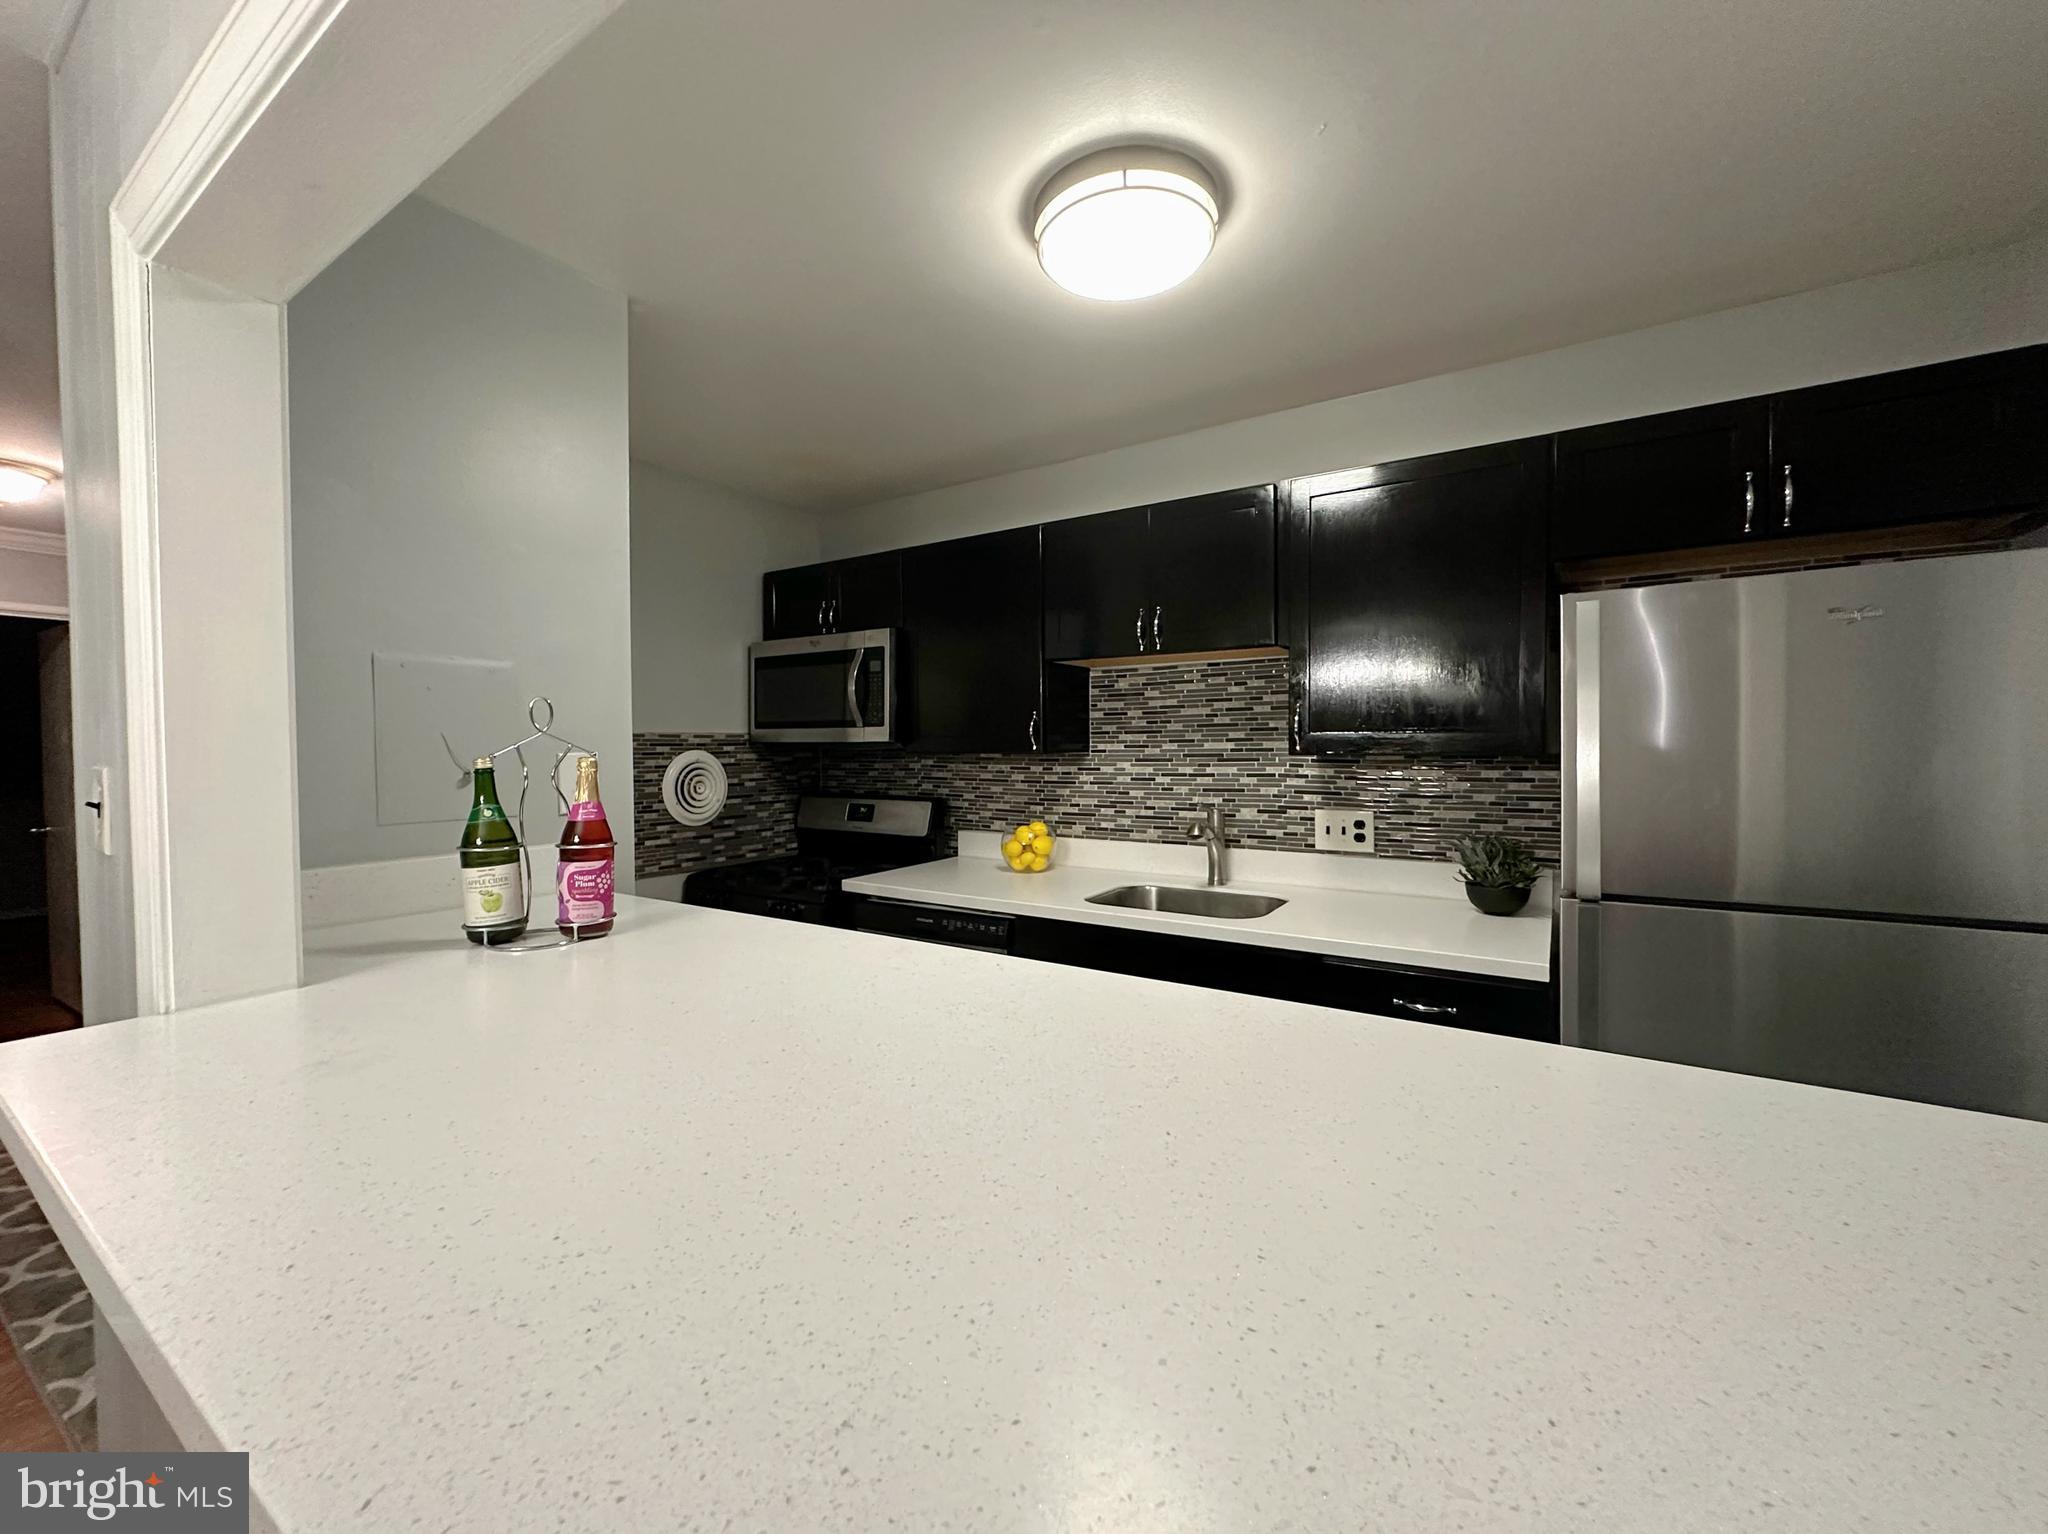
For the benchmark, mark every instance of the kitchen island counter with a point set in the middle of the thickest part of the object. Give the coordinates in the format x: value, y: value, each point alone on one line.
x: 730, y: 1221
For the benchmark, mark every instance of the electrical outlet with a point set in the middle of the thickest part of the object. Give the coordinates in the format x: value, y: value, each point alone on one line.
x: 1342, y: 830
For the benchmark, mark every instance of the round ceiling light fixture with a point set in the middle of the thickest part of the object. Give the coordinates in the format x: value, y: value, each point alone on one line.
x: 23, y: 481
x: 1125, y: 223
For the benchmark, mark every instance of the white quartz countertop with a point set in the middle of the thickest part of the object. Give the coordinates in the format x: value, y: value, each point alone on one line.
x: 731, y: 1222
x: 1389, y: 912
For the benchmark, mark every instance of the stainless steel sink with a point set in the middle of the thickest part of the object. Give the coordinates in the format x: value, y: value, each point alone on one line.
x: 1232, y: 905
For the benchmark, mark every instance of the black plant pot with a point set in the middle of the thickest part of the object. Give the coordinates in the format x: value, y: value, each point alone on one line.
x: 1496, y: 901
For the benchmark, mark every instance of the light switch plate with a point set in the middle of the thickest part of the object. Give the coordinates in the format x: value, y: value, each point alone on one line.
x: 1342, y: 830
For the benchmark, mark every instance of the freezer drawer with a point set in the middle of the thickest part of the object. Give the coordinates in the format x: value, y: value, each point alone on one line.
x: 1950, y: 1015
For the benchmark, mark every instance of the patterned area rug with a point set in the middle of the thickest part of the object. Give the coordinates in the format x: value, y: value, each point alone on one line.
x: 47, y: 1310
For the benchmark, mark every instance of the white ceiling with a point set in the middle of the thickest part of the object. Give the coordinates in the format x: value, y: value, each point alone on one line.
x: 28, y: 303
x: 818, y: 209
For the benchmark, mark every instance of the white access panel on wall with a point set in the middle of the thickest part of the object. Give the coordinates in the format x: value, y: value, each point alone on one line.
x: 433, y: 715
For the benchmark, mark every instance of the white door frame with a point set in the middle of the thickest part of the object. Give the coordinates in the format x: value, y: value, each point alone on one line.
x: 303, y: 122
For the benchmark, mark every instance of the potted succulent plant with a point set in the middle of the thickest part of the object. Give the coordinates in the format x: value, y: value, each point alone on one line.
x: 1498, y: 871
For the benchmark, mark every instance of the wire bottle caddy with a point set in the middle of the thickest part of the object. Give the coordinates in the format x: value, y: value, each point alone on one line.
x: 494, y: 847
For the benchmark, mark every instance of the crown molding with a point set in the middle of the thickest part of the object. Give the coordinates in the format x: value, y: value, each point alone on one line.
x: 31, y: 540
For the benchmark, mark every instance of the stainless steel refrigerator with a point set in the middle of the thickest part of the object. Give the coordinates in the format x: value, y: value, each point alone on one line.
x: 1806, y: 827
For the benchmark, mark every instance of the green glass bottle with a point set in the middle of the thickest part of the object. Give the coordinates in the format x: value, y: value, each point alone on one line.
x: 493, y: 880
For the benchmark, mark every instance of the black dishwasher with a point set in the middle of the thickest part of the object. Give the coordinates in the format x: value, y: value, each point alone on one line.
x: 932, y: 924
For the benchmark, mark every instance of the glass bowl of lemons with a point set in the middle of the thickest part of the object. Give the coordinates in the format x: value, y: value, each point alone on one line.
x: 1028, y: 849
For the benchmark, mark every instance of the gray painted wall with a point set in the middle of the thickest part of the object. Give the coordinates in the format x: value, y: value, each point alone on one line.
x: 1922, y: 314
x: 459, y: 487
x: 699, y: 552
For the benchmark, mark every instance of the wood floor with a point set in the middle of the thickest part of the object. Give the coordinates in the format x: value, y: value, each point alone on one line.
x: 26, y: 1007
x: 26, y: 1426
x: 26, y: 1010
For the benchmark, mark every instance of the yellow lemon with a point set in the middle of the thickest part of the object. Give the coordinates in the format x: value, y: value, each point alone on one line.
x: 1039, y: 828
x: 1039, y: 862
x: 1020, y: 864
x: 1042, y: 845
x: 1012, y: 847
x: 1023, y: 833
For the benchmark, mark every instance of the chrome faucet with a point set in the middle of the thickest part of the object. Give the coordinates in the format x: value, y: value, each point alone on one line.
x: 1209, y: 832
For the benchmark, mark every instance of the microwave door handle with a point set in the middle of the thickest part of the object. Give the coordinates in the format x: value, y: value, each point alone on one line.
x: 853, y: 688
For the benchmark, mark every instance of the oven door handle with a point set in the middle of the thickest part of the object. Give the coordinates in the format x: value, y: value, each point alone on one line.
x: 853, y: 687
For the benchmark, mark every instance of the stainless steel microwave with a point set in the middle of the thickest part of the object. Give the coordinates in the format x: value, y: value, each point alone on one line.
x: 823, y: 687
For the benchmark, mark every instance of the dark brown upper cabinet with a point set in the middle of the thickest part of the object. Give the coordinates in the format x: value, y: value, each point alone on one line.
x: 1187, y: 577
x: 1097, y: 589
x: 1926, y: 445
x: 1675, y: 481
x: 1956, y: 439
x: 1417, y: 598
x: 973, y: 622
x: 870, y: 594
x: 835, y: 598
x: 795, y: 602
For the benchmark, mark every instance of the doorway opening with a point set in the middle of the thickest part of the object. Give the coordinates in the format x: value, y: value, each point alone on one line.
x: 39, y: 961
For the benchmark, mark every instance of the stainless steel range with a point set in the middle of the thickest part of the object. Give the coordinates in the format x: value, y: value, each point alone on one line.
x: 837, y: 838
x: 1806, y: 827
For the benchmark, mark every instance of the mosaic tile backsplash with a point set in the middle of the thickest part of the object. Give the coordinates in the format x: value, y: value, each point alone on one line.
x: 1166, y: 739
x: 761, y: 789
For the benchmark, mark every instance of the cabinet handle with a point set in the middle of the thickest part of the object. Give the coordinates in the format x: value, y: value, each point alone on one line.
x: 1423, y: 1008
x: 1788, y: 497
x: 1748, y: 502
x: 821, y: 617
x: 1034, y: 729
x: 1141, y: 631
x: 1155, y: 630
x: 1297, y: 724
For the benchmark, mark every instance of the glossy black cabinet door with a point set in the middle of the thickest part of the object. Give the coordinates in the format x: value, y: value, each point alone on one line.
x: 869, y: 593
x: 972, y: 616
x: 1686, y: 479
x: 795, y: 602
x: 863, y: 593
x: 1096, y: 595
x: 1418, y: 600
x: 1953, y: 440
x: 1212, y: 568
